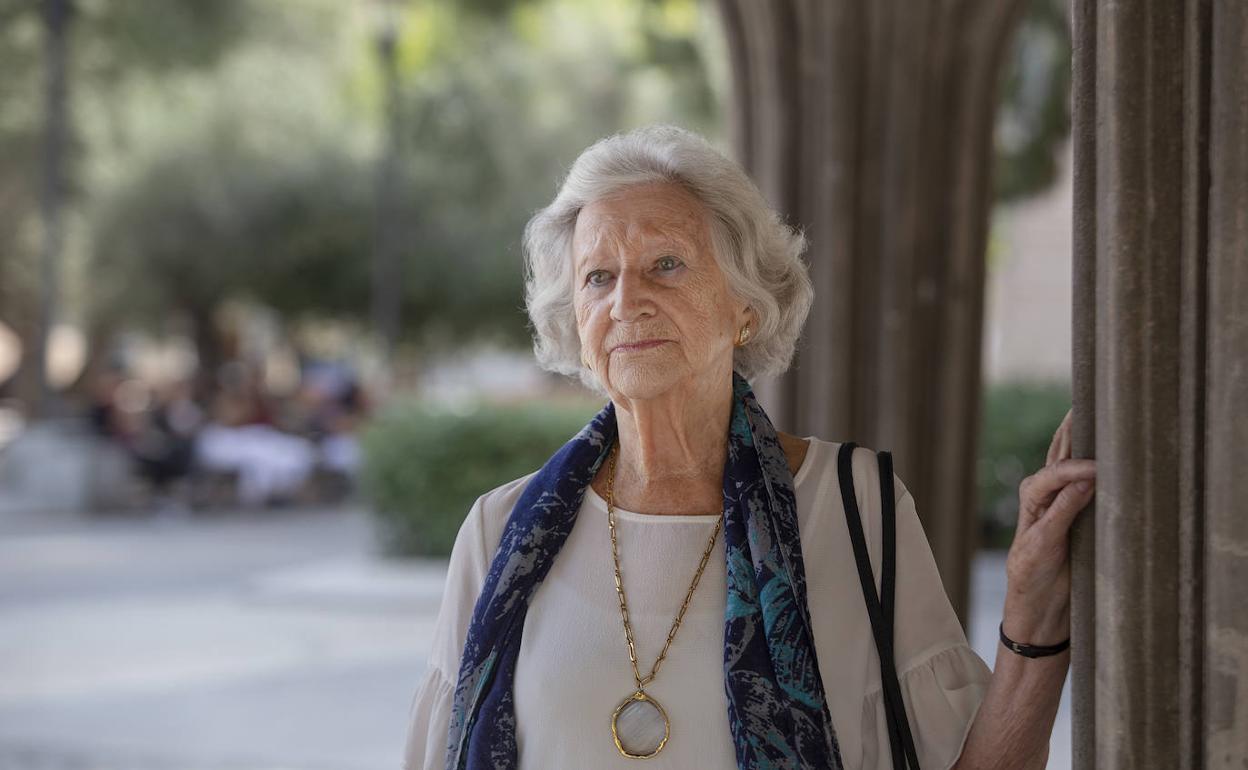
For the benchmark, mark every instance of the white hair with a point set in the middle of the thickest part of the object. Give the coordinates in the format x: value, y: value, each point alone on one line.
x: 760, y: 255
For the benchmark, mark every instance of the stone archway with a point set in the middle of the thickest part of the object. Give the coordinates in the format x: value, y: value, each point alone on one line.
x: 870, y: 125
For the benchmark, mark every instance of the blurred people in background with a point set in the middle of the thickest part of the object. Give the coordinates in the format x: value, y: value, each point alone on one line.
x: 265, y: 449
x: 335, y: 405
x: 102, y: 401
x: 164, y: 445
x: 241, y: 437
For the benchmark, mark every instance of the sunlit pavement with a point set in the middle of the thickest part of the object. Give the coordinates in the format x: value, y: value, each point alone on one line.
x: 262, y: 641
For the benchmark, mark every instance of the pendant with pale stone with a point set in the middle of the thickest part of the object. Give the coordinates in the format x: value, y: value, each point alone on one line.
x: 640, y: 726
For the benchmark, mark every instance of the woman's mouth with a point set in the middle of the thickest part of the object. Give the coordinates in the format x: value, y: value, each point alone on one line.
x: 643, y: 345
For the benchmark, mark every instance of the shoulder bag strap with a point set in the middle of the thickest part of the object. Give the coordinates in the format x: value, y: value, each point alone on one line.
x: 880, y: 607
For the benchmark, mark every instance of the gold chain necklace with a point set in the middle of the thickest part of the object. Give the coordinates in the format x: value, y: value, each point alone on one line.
x: 637, y: 721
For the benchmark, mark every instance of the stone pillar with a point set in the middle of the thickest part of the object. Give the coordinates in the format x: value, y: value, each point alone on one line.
x: 870, y: 125
x: 1160, y: 622
x: 1225, y: 732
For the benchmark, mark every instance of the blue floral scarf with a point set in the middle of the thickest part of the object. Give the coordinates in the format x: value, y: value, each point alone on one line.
x: 777, y: 710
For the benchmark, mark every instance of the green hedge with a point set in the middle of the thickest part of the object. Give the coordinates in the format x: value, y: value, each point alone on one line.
x: 424, y: 467
x: 1017, y: 426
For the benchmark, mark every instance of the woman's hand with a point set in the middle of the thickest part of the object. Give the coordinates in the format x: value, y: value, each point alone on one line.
x: 1037, y: 604
x: 1015, y: 720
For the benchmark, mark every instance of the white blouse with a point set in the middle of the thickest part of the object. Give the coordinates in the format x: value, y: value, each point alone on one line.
x: 573, y: 666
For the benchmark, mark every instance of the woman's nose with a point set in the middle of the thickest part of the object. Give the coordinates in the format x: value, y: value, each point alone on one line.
x: 632, y: 298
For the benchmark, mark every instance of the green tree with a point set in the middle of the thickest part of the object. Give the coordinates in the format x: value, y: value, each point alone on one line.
x: 273, y: 198
x: 53, y: 54
x: 1034, y: 117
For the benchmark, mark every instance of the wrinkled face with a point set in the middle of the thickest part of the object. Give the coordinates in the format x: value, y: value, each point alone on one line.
x: 645, y: 273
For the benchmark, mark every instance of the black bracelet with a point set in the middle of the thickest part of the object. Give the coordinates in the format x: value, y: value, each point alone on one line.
x: 1031, y: 650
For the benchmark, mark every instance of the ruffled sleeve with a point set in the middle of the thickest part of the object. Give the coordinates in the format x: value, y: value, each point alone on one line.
x: 475, y: 543
x: 942, y: 679
x: 942, y: 695
x: 429, y: 718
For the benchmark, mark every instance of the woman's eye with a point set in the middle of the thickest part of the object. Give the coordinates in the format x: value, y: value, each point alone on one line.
x: 664, y: 263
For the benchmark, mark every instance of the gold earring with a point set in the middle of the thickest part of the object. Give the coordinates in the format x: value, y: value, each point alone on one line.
x: 743, y: 335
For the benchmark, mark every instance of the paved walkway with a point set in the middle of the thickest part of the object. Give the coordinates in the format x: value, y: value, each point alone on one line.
x: 246, y: 642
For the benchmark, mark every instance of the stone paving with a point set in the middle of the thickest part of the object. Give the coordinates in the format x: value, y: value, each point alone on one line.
x: 272, y: 640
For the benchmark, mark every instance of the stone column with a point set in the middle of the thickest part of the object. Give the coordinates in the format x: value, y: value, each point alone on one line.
x: 870, y: 125
x: 1160, y: 620
x: 1225, y: 733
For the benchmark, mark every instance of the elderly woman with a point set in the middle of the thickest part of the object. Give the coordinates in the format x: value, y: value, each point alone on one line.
x: 682, y: 582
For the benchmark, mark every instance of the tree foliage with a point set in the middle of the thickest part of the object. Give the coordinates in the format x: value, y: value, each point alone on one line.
x: 276, y: 198
x: 109, y: 46
x: 1034, y: 118
x: 233, y: 148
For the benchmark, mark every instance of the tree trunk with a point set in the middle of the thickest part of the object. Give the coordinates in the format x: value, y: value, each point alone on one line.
x: 210, y: 353
x: 56, y: 18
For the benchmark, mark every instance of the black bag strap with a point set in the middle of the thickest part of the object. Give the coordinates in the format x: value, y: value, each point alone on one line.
x: 880, y: 607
